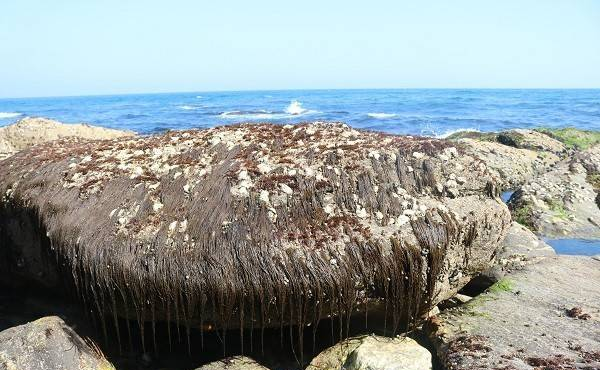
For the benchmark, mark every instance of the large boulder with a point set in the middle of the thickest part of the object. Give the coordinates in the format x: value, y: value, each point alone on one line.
x: 545, y: 316
x: 31, y: 131
x: 252, y: 225
x: 374, y: 353
x: 48, y: 343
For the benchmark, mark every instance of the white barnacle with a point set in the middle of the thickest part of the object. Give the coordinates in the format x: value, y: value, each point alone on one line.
x: 264, y: 196
x: 286, y: 189
x: 183, y: 226
x: 157, y: 206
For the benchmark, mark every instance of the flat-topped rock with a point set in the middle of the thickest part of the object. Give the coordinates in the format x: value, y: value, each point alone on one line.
x: 546, y: 316
x: 31, y: 131
x: 514, y: 166
x: 244, y: 225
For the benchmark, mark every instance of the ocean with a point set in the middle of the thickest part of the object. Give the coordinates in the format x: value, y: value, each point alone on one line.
x: 429, y: 112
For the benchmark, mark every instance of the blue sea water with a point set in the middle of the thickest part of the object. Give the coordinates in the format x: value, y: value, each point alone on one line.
x: 432, y: 112
x: 576, y: 247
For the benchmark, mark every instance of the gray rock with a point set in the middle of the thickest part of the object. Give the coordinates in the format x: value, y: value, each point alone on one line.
x: 48, y: 344
x: 512, y: 166
x: 28, y: 132
x: 559, y: 203
x: 374, y: 353
x: 234, y: 363
x: 520, y: 248
x: 533, y: 316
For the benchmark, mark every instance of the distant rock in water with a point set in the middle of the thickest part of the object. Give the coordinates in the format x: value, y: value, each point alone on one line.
x: 31, y: 131
x: 252, y: 225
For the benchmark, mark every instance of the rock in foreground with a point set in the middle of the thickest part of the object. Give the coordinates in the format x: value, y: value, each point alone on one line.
x: 373, y: 353
x: 546, y: 316
x: 32, y: 131
x: 48, y: 343
x: 253, y: 225
x: 234, y: 363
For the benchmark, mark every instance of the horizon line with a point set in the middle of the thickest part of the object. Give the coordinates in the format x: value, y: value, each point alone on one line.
x: 293, y: 89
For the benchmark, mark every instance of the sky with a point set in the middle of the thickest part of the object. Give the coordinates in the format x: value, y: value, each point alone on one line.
x: 74, y: 47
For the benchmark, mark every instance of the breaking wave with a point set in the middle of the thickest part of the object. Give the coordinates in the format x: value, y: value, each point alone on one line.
x: 452, y: 132
x: 188, y: 107
x: 9, y: 114
x: 294, y: 109
x: 382, y: 115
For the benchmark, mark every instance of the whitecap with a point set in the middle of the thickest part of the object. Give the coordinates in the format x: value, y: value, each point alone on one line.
x: 382, y: 115
x: 248, y: 115
x: 9, y: 114
x: 188, y: 107
x: 452, y: 132
x: 198, y: 96
x: 295, y: 108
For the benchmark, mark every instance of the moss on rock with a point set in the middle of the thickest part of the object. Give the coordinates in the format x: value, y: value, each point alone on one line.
x: 573, y: 138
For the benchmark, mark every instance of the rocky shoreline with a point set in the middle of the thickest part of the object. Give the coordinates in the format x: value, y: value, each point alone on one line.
x: 244, y: 236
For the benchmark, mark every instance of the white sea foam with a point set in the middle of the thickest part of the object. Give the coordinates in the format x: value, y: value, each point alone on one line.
x: 451, y: 132
x: 382, y: 115
x: 188, y: 107
x: 198, y: 96
x: 256, y: 115
x: 295, y: 108
x: 9, y: 114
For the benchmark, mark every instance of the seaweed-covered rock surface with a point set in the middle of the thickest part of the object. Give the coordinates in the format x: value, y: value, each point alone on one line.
x: 251, y: 225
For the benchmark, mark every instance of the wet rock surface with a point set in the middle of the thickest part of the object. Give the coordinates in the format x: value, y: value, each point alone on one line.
x: 48, y: 343
x: 374, y: 353
x: 31, y: 131
x: 548, y: 312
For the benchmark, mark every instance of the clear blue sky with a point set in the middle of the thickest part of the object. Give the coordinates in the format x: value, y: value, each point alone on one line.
x: 80, y: 47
